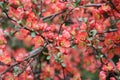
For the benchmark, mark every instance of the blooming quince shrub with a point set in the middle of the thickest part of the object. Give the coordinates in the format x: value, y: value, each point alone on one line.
x: 59, y: 39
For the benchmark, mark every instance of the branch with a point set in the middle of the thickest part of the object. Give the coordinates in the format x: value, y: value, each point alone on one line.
x: 99, y: 53
x: 22, y: 26
x: 93, y: 5
x: 53, y: 15
x: 33, y: 53
x: 109, y: 31
x: 58, y: 13
x: 39, y: 50
x: 25, y: 67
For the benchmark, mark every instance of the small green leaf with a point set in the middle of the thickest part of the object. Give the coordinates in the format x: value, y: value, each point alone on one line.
x: 48, y: 57
x: 33, y: 34
x: 2, y: 5
x: 85, y: 19
x: 88, y: 44
x: 80, y: 19
x: 90, y: 38
x: 77, y: 2
x: 93, y: 33
x: 92, y: 1
x: 59, y: 54
x: 16, y: 71
x: 20, y: 21
x: 63, y: 65
x: 67, y: 5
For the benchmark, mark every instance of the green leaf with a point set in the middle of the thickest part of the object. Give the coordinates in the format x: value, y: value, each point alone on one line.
x: 16, y: 71
x: 85, y: 19
x: 59, y: 54
x: 63, y: 65
x: 2, y: 5
x: 48, y: 57
x: 92, y: 1
x: 80, y: 19
x: 89, y: 44
x: 77, y: 2
x: 89, y: 38
x: 33, y: 34
x: 93, y: 33
x: 20, y: 21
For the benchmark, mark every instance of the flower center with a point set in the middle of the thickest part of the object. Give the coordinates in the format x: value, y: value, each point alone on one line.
x: 1, y: 42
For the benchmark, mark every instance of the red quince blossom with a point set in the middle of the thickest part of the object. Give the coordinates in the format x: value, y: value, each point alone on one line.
x: 78, y: 12
x: 104, y: 8
x: 47, y: 2
x: 111, y: 53
x: 102, y: 75
x: 3, y: 42
x: 83, y: 26
x: 43, y: 26
x: 107, y: 22
x: 50, y: 35
x: 118, y: 25
x: 9, y: 76
x: 2, y: 68
x: 108, y: 67
x: 66, y: 34
x: 14, y: 2
x: 100, y: 28
x: 81, y: 36
x: 48, y: 71
x: 63, y: 42
x: 64, y: 50
x: 88, y: 31
x: 31, y: 18
x: 27, y: 40
x: 90, y: 64
x: 19, y: 54
x: 76, y: 76
x: 117, y: 51
x: 96, y: 14
x: 38, y: 41
x: 73, y: 29
x: 5, y: 57
x: 52, y: 27
x: 16, y: 13
x: 82, y: 44
x: 112, y: 78
x: 118, y: 66
x: 109, y: 40
x: 27, y: 4
x: 116, y: 37
x: 22, y: 34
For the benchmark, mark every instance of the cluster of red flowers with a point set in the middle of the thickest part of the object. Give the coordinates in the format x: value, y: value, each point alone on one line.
x: 74, y: 35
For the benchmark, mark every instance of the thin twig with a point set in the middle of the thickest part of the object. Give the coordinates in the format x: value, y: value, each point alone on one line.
x: 53, y: 15
x: 33, y: 53
x: 58, y: 13
x: 26, y: 66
